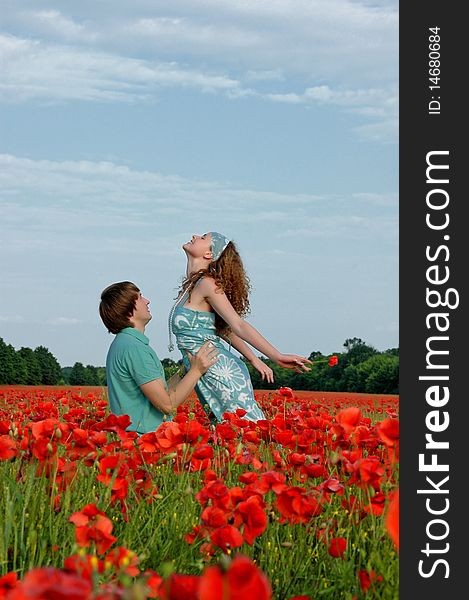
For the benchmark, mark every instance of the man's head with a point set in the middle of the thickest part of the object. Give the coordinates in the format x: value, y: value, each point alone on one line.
x: 122, y: 305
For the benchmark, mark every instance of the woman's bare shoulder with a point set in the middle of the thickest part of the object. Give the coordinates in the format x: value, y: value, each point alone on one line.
x: 207, y: 285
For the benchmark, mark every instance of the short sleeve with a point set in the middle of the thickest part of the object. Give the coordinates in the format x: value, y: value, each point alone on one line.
x: 143, y: 365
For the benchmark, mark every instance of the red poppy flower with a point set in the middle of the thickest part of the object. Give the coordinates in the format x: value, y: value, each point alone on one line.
x: 153, y: 582
x: 46, y: 428
x: 203, y: 451
x: 348, y: 418
x: 296, y: 459
x: 226, y: 431
x: 248, y: 477
x: 254, y: 518
x: 7, y: 583
x: 333, y: 361
x: 297, y: 506
x: 93, y: 525
x: 368, y: 578
x: 216, y: 491
x: 84, y: 565
x: 286, y: 392
x: 332, y: 485
x: 124, y: 560
x: 273, y: 480
x: 115, y: 423
x: 4, y: 429
x: 193, y: 431
x: 242, y: 581
x: 180, y: 587
x: 392, y: 518
x: 52, y: 583
x: 376, y: 505
x: 227, y: 537
x: 367, y: 471
x: 7, y: 447
x: 337, y: 547
x: 214, y: 517
x: 198, y: 532
x: 388, y: 431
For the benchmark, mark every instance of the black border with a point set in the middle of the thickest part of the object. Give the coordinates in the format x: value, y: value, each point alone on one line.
x: 420, y: 133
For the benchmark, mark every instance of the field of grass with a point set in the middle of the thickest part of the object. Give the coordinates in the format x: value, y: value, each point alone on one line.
x: 301, y: 505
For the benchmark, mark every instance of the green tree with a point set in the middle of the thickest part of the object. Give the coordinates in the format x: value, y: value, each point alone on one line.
x: 8, y: 363
x: 380, y: 374
x: 351, y: 379
x: 101, y: 372
x: 78, y: 374
x: 66, y: 374
x: 20, y: 369
x: 91, y: 375
x: 50, y: 368
x: 357, y: 350
x: 33, y: 369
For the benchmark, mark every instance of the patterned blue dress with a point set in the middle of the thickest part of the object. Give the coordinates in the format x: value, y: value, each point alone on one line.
x: 226, y: 385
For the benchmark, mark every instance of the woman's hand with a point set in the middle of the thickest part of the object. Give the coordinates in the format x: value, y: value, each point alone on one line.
x: 265, y: 371
x: 205, y: 357
x: 293, y: 361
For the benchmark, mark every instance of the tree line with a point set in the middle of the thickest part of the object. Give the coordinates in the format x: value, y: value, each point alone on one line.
x: 28, y: 367
x: 360, y: 368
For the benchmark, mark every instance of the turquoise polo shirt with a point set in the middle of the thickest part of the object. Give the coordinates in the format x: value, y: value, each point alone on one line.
x: 131, y: 362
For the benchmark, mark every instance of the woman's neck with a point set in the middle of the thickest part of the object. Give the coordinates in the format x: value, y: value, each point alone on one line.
x: 194, y: 265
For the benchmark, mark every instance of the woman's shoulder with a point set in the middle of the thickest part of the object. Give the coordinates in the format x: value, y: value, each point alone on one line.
x: 207, y: 284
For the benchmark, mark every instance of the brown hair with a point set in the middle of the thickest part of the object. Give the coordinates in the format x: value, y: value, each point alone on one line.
x: 117, y: 305
x: 231, y: 278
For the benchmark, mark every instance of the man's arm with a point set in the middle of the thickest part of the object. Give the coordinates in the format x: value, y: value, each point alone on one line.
x: 167, y: 402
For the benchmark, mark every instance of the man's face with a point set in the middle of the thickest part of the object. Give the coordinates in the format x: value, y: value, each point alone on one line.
x: 141, y: 314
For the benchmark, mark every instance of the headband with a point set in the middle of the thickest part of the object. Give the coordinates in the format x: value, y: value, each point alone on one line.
x: 219, y: 243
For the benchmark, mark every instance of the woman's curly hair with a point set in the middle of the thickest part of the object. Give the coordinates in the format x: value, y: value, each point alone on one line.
x: 230, y: 277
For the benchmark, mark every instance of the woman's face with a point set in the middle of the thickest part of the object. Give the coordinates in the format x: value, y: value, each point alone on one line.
x: 200, y: 246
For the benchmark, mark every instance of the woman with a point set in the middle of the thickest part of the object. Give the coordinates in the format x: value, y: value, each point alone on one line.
x: 213, y: 299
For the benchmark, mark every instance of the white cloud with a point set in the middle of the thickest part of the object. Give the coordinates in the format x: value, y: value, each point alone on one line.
x: 351, y: 227
x: 37, y: 70
x: 11, y: 319
x: 382, y: 131
x: 340, y: 52
x: 54, y: 24
x: 317, y: 38
x: 270, y: 75
x: 84, y: 207
x: 60, y: 321
x: 205, y: 44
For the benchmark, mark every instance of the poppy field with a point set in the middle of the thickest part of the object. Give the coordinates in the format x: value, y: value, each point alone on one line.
x: 301, y: 506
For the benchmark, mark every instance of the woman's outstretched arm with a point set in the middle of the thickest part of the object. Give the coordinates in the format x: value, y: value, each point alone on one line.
x: 220, y: 303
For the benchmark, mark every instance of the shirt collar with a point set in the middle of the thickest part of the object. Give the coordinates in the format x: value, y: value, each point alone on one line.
x: 136, y: 334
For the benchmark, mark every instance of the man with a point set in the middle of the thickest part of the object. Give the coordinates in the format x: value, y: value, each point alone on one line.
x: 135, y: 376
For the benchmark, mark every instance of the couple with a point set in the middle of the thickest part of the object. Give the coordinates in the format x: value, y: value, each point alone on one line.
x: 209, y: 309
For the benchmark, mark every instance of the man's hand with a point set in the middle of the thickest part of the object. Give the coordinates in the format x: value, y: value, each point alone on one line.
x: 205, y: 358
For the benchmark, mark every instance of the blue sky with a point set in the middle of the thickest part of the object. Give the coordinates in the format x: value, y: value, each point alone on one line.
x: 125, y: 127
